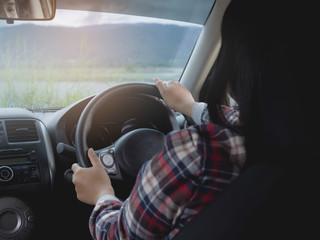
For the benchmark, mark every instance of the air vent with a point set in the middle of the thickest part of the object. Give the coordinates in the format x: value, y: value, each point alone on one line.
x: 21, y: 131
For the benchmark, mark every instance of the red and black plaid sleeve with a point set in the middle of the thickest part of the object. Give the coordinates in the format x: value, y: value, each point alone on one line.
x: 194, y: 167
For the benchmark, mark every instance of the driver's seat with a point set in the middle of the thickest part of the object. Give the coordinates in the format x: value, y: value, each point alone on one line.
x: 265, y: 202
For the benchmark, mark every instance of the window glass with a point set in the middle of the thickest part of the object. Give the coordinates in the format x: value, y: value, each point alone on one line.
x: 53, y: 64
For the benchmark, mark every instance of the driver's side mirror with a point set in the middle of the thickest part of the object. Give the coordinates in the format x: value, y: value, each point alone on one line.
x: 27, y: 10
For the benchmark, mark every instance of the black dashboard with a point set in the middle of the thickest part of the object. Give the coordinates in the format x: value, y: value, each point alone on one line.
x: 33, y: 168
x: 27, y: 170
x: 26, y: 156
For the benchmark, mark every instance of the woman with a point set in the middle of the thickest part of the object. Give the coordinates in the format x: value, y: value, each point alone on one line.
x: 195, y: 165
x: 198, y: 163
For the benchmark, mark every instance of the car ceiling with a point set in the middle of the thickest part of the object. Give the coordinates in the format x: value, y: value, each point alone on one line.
x: 193, y: 11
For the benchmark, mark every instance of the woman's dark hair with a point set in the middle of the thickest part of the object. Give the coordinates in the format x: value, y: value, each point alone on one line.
x: 254, y: 60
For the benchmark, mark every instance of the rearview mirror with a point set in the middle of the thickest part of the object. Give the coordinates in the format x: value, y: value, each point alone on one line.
x: 27, y: 10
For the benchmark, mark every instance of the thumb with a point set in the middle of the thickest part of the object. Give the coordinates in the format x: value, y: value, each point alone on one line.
x: 159, y: 84
x: 93, y: 157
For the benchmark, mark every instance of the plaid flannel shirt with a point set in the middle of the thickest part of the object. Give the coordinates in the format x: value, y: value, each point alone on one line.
x: 195, y: 165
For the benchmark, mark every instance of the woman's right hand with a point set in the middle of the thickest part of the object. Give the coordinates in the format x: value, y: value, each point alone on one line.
x: 176, y: 96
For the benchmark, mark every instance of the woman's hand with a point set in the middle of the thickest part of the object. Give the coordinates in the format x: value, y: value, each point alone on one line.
x: 91, y: 183
x: 176, y: 96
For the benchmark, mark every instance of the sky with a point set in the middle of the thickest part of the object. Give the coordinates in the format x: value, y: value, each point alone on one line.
x: 70, y: 18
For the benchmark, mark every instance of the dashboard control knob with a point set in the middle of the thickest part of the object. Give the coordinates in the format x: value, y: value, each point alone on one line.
x: 6, y: 174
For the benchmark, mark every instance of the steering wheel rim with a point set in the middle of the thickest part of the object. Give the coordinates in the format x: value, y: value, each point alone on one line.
x: 86, y: 118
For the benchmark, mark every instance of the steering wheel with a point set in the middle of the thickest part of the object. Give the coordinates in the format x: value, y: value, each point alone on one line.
x: 133, y: 148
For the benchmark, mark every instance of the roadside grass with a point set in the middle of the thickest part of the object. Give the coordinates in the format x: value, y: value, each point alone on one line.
x: 31, y: 88
x: 53, y: 87
x: 29, y: 82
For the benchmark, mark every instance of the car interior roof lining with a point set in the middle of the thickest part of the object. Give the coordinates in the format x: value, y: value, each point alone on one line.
x: 180, y: 10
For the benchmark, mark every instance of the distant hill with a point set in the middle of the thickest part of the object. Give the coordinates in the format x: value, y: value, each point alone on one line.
x: 109, y: 44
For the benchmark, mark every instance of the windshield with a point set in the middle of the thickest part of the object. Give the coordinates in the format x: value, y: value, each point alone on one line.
x: 46, y: 65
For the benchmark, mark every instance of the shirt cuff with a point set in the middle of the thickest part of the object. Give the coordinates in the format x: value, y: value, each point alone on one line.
x: 197, y: 110
x: 107, y: 197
